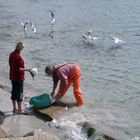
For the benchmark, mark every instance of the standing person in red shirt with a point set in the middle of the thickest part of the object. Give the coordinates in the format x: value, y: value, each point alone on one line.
x: 17, y: 70
x: 67, y: 73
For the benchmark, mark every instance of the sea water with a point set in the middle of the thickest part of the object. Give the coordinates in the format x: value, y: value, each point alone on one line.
x: 110, y: 73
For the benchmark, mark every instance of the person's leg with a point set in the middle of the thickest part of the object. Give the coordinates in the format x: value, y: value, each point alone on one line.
x: 20, y: 96
x: 20, y: 111
x: 19, y: 107
x: 77, y: 91
x: 14, y: 106
x: 13, y: 95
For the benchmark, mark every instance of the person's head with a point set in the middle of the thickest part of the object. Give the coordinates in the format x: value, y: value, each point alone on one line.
x: 20, y: 46
x: 49, y: 70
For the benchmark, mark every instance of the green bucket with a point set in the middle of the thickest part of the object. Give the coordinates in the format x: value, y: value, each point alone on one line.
x: 40, y: 101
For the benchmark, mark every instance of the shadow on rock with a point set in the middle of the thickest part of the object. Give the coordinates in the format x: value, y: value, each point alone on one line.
x: 2, y: 117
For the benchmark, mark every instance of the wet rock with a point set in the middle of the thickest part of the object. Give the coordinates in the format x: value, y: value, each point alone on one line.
x: 101, y: 137
x: 48, y: 113
x: 92, y: 133
x: 43, y: 114
x: 106, y: 137
x: 2, y: 117
x: 88, y: 129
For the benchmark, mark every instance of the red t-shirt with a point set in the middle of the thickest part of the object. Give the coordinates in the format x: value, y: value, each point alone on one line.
x: 16, y: 62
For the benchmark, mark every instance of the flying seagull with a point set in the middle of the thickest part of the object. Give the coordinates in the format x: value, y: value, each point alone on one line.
x: 30, y: 23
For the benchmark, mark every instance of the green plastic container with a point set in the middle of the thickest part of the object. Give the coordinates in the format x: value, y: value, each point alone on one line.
x: 40, y: 101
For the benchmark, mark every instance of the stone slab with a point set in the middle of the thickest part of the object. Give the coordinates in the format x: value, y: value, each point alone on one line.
x: 54, y: 110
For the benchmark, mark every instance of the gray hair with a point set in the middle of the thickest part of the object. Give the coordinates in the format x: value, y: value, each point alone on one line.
x: 20, y: 46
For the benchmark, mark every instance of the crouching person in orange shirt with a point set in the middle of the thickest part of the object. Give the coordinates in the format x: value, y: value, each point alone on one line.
x: 68, y: 74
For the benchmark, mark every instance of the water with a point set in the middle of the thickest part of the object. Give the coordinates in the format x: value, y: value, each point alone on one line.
x: 111, y: 75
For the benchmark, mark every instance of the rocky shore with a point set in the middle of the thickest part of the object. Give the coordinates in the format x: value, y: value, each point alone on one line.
x: 29, y: 127
x: 28, y: 131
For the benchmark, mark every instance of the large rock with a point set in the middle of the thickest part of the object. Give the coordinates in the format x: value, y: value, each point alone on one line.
x: 92, y: 133
x: 2, y: 134
x: 56, y: 109
x: 38, y: 135
x: 48, y: 113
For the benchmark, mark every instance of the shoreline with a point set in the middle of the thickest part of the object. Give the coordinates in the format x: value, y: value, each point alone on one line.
x: 31, y: 127
x: 26, y: 125
x: 22, y: 124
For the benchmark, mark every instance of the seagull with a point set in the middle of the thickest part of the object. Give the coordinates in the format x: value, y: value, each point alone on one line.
x: 90, y: 32
x: 31, y: 24
x: 24, y: 25
x: 89, y: 38
x: 117, y: 41
x: 52, y: 25
x: 52, y: 18
x: 33, y: 28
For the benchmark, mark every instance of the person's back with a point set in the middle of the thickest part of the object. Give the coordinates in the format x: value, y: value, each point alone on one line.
x: 67, y: 74
x: 16, y: 62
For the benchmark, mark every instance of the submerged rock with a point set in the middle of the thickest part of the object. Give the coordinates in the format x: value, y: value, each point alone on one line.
x: 106, y: 137
x: 92, y: 133
x: 88, y: 129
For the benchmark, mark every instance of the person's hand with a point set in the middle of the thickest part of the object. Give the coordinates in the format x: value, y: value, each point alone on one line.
x: 52, y: 94
x: 21, y: 69
x: 57, y: 97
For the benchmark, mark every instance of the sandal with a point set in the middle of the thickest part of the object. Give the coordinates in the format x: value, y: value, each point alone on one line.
x: 15, y: 111
x: 22, y: 113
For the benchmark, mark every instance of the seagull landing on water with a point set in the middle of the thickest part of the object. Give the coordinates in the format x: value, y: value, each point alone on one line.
x: 89, y: 38
x: 33, y: 28
x: 31, y: 24
x: 90, y: 32
x: 118, y: 41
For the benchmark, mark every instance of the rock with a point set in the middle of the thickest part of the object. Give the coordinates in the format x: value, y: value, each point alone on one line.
x: 42, y: 135
x: 29, y: 134
x: 37, y: 135
x: 102, y: 137
x: 48, y: 113
x: 2, y: 134
x: 106, y: 137
x: 2, y: 117
x: 92, y: 133
x: 88, y: 129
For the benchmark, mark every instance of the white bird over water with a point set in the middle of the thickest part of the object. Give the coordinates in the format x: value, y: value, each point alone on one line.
x: 52, y: 18
x: 89, y: 38
x: 118, y: 41
x: 31, y: 24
